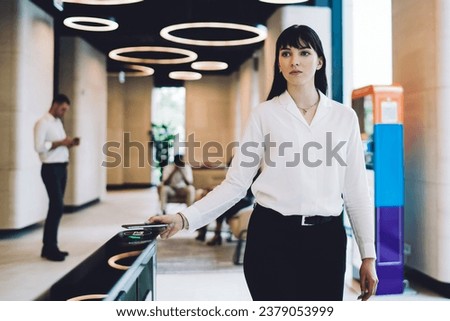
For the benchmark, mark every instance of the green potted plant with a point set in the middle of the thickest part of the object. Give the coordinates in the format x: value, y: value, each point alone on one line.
x: 162, y: 138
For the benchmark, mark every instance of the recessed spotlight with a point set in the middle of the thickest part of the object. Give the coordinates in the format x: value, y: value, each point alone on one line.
x: 103, y: 2
x: 283, y: 1
x: 260, y: 31
x: 117, y: 54
x: 101, y: 24
x: 209, y: 65
x: 185, y: 75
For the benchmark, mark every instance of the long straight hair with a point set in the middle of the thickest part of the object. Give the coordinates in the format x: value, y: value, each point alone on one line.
x: 298, y: 36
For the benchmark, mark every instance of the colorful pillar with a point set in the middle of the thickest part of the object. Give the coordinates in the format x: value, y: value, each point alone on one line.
x: 380, y: 113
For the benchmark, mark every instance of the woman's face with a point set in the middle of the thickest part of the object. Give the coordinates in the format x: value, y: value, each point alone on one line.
x: 299, y: 66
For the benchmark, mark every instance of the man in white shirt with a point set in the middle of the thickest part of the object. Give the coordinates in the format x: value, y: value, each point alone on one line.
x: 52, y: 145
x: 177, y: 180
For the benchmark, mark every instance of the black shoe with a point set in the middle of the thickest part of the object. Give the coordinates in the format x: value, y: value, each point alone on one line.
x: 54, y: 255
x: 200, y: 237
x: 216, y: 240
x: 201, y: 234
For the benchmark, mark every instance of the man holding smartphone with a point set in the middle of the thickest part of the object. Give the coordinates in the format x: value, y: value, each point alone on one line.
x: 52, y: 145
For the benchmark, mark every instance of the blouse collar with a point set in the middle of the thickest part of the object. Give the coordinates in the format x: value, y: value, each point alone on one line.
x: 322, y: 109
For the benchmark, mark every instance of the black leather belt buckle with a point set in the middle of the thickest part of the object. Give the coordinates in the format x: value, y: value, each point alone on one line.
x: 315, y: 220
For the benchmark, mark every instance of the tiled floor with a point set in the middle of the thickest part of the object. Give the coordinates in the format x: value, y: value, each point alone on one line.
x: 200, y: 273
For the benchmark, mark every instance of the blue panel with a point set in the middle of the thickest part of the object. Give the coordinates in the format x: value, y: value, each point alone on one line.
x: 388, y: 165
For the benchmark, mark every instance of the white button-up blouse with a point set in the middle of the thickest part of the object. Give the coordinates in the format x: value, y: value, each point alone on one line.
x: 314, y: 169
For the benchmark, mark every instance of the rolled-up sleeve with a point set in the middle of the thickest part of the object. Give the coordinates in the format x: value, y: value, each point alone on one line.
x: 40, y: 143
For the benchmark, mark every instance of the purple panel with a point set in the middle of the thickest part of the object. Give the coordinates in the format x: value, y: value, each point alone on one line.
x: 390, y: 279
x: 390, y: 234
x: 389, y: 243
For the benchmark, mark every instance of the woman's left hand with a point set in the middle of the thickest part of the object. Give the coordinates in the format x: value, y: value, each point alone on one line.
x: 369, y: 279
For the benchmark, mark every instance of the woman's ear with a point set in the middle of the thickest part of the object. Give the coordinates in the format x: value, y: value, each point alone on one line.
x: 320, y: 64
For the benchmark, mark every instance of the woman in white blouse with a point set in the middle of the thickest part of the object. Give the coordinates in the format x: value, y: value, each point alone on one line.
x: 309, y: 150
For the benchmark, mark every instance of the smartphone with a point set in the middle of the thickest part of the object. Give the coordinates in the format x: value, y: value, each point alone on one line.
x: 145, y: 226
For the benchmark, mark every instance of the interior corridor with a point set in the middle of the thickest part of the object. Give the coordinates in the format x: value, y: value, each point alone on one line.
x: 187, y: 269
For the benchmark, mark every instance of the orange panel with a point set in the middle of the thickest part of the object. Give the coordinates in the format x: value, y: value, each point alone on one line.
x: 387, y: 102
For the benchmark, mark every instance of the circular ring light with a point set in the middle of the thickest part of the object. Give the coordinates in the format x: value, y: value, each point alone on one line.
x: 103, y: 2
x: 185, y: 75
x: 77, y: 23
x: 117, y: 54
x: 209, y: 65
x: 88, y: 297
x: 283, y: 1
x: 113, y: 259
x: 261, y: 34
x: 140, y: 71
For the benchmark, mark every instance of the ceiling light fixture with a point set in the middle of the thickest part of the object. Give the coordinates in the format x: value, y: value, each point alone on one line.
x: 283, y: 1
x: 79, y: 23
x: 209, y: 65
x: 139, y: 71
x: 117, y: 54
x: 103, y: 2
x: 260, y: 31
x: 185, y: 75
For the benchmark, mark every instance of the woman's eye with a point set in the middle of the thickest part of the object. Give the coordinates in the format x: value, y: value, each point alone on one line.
x: 285, y: 54
x: 305, y: 53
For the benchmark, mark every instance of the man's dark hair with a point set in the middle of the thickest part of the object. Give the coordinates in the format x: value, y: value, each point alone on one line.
x: 178, y: 160
x: 61, y: 99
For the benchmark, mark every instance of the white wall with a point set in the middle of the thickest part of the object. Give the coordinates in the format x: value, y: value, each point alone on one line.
x: 116, y: 119
x: 83, y: 78
x: 138, y: 123
x: 421, y: 51
x: 129, y: 113
x: 372, y: 42
x: 209, y: 115
x: 26, y: 90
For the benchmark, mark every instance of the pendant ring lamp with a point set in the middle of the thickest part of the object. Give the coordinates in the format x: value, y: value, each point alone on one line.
x: 209, y: 65
x: 117, y: 54
x: 260, y: 32
x: 100, y: 24
x: 138, y: 71
x: 103, y: 2
x: 185, y: 75
x: 283, y: 1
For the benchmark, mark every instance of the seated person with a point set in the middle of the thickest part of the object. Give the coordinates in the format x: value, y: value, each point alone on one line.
x: 246, y: 201
x: 177, y: 181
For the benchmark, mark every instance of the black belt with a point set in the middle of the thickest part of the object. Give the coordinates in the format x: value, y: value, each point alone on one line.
x: 316, y: 220
x: 55, y: 164
x: 303, y: 220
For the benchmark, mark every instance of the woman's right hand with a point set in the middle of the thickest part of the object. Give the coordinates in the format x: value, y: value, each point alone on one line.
x: 174, y: 221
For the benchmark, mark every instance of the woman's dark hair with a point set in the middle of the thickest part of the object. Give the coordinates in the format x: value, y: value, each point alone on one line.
x: 298, y: 36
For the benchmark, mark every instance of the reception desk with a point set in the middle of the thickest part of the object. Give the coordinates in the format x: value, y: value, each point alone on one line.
x: 123, y: 269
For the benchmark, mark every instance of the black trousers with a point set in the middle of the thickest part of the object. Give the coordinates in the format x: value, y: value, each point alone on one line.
x: 285, y: 261
x: 55, y: 178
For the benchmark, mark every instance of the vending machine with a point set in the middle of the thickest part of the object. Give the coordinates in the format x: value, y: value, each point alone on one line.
x: 380, y: 114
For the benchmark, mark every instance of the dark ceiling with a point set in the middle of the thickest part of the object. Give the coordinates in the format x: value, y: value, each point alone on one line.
x: 140, y: 24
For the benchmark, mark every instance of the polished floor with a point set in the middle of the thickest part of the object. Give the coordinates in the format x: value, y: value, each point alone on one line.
x: 188, y: 270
